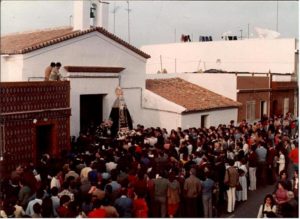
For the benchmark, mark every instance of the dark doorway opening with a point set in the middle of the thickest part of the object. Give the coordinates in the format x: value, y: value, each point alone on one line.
x: 263, y: 109
x: 204, y: 121
x: 43, y: 140
x: 275, y: 107
x: 90, y: 110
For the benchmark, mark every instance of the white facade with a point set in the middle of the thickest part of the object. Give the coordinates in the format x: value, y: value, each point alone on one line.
x: 81, y: 15
x: 159, y: 112
x: 11, y: 68
x: 160, y: 118
x: 214, y: 118
x: 81, y: 86
x: 250, y: 55
x: 92, y: 49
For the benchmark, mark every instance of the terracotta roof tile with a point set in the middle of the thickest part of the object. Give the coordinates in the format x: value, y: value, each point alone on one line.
x: 189, y: 95
x: 21, y: 43
x: 99, y: 69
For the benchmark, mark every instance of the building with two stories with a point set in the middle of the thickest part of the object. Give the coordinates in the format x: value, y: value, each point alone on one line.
x: 262, y: 74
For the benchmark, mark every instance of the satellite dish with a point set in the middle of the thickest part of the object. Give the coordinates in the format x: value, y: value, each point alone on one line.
x: 266, y: 33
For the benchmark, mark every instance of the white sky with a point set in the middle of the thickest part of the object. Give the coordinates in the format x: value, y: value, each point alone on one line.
x: 153, y: 22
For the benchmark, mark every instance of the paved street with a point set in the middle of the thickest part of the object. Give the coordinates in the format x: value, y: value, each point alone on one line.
x: 249, y: 209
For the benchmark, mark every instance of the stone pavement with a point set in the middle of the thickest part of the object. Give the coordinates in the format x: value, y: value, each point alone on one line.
x: 249, y: 208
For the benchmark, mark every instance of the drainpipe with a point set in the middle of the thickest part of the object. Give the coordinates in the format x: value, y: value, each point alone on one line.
x: 270, y: 93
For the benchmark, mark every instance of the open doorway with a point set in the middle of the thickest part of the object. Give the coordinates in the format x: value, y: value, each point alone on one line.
x: 204, y: 121
x: 275, y: 107
x: 43, y: 140
x: 90, y: 110
x: 263, y: 109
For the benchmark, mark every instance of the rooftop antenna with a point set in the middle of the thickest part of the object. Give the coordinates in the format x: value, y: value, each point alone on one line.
x: 116, y: 8
x: 248, y: 29
x: 277, y: 16
x: 71, y: 20
x: 128, y: 10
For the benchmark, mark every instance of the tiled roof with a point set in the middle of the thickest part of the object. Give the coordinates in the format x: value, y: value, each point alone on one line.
x: 21, y: 43
x: 99, y: 69
x: 188, y: 95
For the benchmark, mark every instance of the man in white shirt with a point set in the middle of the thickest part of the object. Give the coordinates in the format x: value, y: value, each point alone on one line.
x: 55, y: 181
x: 39, y: 195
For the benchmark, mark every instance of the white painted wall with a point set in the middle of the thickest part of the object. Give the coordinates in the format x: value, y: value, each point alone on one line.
x: 253, y: 55
x: 92, y: 49
x: 133, y: 97
x: 11, y: 68
x: 154, y: 101
x: 81, y: 15
x: 285, y: 78
x: 81, y: 86
x: 163, y: 119
x: 163, y: 113
x: 160, y: 112
x: 215, y: 117
x: 102, y: 13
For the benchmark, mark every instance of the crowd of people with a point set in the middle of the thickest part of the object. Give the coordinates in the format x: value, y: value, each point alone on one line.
x: 152, y: 173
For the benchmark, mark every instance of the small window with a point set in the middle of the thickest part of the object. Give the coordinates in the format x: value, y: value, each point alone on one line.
x: 250, y: 111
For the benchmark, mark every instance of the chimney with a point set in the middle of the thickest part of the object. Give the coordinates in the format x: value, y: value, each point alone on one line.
x: 100, y: 11
x: 81, y: 14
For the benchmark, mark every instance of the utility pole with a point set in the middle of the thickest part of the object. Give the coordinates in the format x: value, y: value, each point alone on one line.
x: 277, y: 16
x: 161, y: 64
x: 128, y: 10
x: 248, y: 30
x: 114, y: 12
x: 241, y: 34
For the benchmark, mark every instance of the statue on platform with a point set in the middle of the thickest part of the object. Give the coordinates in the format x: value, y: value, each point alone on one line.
x: 119, y: 115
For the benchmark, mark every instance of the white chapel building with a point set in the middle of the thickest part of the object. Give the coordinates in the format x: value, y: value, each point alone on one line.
x: 95, y: 62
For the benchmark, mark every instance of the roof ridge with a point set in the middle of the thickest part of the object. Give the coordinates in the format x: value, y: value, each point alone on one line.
x: 72, y: 34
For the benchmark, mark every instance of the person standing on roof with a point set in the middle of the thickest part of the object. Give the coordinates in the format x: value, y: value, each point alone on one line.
x: 48, y: 70
x: 55, y: 74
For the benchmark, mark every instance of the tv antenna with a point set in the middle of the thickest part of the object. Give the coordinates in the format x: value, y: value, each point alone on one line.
x: 116, y: 8
x: 128, y: 10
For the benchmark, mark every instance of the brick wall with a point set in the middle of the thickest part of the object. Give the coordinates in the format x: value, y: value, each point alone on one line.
x: 252, y: 82
x: 280, y: 91
x: 256, y: 96
x: 24, y: 106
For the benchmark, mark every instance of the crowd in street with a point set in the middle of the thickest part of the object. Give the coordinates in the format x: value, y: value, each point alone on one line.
x: 149, y: 172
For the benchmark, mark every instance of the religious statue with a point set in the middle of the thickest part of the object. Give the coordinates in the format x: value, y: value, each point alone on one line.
x: 120, y: 115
